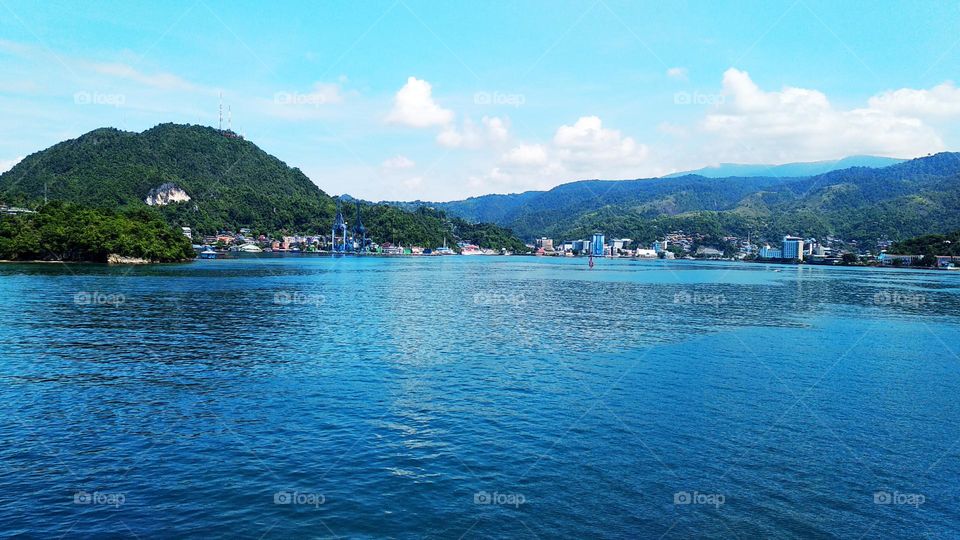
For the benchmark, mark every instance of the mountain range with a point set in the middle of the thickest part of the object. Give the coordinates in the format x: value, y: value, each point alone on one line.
x: 861, y: 204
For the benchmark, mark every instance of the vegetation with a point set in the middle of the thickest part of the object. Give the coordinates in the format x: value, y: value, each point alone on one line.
x: 929, y: 245
x: 431, y: 228
x: 67, y: 232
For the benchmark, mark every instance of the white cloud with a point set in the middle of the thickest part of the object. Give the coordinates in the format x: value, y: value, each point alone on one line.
x: 160, y: 81
x: 798, y: 124
x: 413, y: 106
x: 678, y: 73
x: 588, y: 145
x: 398, y: 162
x: 7, y: 164
x: 492, y: 130
x: 941, y: 101
x: 526, y: 154
x: 585, y: 149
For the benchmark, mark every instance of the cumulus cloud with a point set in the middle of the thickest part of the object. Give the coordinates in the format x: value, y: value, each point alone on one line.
x: 678, y: 73
x: 492, y: 130
x: 584, y: 149
x: 941, y: 101
x: 398, y: 162
x: 413, y: 106
x: 587, y: 144
x: 798, y: 124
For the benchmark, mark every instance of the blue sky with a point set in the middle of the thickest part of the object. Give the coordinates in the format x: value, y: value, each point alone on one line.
x: 404, y: 99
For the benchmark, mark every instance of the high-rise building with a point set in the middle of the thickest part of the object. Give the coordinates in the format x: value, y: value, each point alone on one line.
x: 596, y: 246
x: 793, y: 247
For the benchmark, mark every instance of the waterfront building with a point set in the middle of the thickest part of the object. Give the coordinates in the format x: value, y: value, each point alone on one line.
x: 792, y: 248
x: 597, y: 245
x: 620, y: 244
x: 767, y: 252
x: 890, y: 258
x: 546, y: 244
x: 646, y: 254
x: 660, y: 246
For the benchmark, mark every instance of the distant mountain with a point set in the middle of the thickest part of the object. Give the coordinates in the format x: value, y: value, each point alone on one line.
x: 210, y: 180
x: 790, y: 169
x: 860, y: 203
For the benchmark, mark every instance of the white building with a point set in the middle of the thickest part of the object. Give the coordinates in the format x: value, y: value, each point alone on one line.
x: 767, y: 252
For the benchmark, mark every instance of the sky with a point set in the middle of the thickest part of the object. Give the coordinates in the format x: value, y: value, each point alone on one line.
x: 408, y: 99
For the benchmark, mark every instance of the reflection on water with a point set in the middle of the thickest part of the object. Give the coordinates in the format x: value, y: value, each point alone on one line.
x: 487, y: 396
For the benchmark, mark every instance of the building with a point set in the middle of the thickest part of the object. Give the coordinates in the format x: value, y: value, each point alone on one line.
x: 660, y: 246
x: 709, y: 252
x: 905, y: 260
x: 792, y: 248
x: 597, y: 245
x: 620, y: 244
x: 187, y: 232
x: 546, y: 244
x: 767, y: 252
x: 646, y: 254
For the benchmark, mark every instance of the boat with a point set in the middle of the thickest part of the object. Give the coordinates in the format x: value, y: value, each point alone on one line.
x: 470, y: 249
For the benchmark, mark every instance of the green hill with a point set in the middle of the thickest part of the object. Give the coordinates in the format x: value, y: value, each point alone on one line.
x: 230, y: 182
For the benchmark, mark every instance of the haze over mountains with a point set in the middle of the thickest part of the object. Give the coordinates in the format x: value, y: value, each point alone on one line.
x: 790, y: 169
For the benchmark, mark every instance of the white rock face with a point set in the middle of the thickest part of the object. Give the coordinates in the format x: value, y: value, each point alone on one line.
x: 166, y: 194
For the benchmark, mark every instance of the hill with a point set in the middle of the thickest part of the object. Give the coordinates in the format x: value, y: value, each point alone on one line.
x: 230, y: 182
x: 209, y: 180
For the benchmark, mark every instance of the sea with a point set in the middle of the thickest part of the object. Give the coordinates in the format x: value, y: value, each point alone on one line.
x: 478, y: 397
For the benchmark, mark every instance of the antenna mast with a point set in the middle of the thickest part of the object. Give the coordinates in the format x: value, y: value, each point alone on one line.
x: 220, y: 124
x: 229, y: 118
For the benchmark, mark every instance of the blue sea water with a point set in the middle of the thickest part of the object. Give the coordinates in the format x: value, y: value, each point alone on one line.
x: 474, y: 397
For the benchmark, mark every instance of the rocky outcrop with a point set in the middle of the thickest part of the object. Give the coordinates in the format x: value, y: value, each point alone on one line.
x: 166, y: 194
